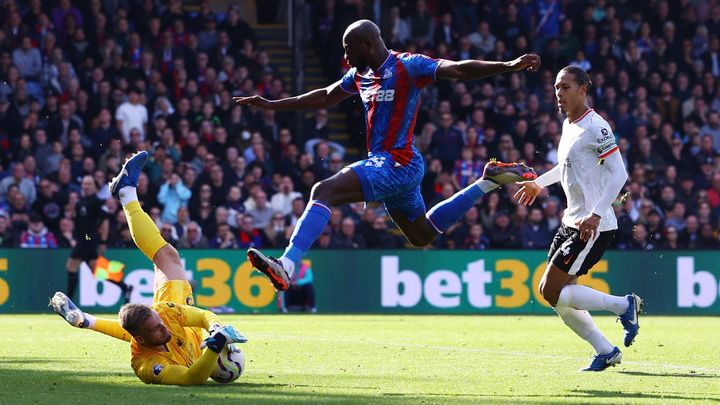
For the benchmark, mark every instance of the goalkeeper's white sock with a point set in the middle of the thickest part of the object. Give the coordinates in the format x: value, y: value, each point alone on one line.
x: 127, y: 195
x: 581, y: 297
x: 89, y: 320
x: 582, y: 324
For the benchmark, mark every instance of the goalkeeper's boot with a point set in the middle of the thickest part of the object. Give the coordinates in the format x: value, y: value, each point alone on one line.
x: 63, y: 306
x: 602, y: 361
x: 506, y: 173
x: 129, y: 173
x: 271, y: 267
x: 630, y: 320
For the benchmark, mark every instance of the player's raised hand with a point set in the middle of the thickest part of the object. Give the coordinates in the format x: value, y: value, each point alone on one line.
x: 529, y: 62
x: 529, y: 190
x: 254, y: 101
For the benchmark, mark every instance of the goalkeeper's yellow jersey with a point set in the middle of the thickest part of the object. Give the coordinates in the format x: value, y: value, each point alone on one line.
x: 186, y: 325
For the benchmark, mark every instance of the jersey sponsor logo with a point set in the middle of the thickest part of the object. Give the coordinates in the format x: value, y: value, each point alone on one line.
x: 377, y: 95
x: 375, y: 161
x: 605, y: 138
x: 157, y: 369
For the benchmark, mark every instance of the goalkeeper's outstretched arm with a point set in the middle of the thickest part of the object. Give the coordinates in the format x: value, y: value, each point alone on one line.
x: 196, y: 374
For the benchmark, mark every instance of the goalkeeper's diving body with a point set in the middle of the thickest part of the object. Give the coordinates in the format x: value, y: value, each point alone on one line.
x: 166, y: 337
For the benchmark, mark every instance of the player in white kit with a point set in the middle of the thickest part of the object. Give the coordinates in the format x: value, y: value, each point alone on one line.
x: 591, y: 172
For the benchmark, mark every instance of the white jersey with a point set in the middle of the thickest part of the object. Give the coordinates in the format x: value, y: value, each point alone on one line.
x: 584, y: 145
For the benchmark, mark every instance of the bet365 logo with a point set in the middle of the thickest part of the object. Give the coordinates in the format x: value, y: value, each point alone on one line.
x: 377, y: 95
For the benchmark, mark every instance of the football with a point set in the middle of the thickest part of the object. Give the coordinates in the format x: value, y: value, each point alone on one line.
x: 230, y: 364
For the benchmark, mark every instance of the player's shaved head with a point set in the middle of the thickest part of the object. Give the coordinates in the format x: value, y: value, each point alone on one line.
x: 363, y: 45
x: 363, y: 30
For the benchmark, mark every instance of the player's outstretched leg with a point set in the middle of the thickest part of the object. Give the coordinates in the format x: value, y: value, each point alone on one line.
x: 63, y: 306
x: 446, y: 213
x: 342, y: 188
x: 144, y: 232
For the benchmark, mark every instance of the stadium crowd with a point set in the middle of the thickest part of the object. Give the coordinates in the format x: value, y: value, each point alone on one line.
x: 87, y: 82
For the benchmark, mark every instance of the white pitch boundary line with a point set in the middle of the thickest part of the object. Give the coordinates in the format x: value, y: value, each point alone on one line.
x: 481, y: 350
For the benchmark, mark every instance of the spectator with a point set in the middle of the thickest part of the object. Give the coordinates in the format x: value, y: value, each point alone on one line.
x: 535, y: 234
x: 282, y: 200
x: 277, y: 231
x: 347, y: 238
x: 20, y: 179
x: 483, y: 39
x: 173, y: 195
x: 476, y: 239
x: 379, y: 237
x: 224, y: 238
x: 262, y: 212
x: 250, y: 235
x: 168, y: 232
x: 28, y: 60
x: 132, y: 115
x: 712, y: 128
x: 66, y: 238
x: 447, y: 142
x: 49, y: 205
x: 37, y: 235
x: 193, y: 238
x: 504, y: 235
x: 6, y: 235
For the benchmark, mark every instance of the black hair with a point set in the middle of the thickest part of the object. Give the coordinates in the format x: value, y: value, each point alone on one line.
x: 581, y: 76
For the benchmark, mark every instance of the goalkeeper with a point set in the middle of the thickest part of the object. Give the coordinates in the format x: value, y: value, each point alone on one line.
x: 166, y: 338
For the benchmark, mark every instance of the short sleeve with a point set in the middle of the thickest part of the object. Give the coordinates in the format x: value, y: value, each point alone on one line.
x: 604, y: 142
x: 420, y: 68
x: 348, y: 82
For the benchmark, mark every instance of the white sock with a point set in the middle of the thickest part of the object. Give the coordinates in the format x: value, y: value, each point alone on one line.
x: 581, y: 297
x: 486, y: 185
x: 288, y: 265
x: 91, y: 321
x: 582, y: 324
x: 127, y: 195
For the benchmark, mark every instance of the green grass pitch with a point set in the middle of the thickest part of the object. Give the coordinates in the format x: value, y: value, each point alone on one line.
x: 378, y: 360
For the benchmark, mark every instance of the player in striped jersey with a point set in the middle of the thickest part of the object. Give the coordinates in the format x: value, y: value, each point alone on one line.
x: 592, y: 173
x: 389, y: 85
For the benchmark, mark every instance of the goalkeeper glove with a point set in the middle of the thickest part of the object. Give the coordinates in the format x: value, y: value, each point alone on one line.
x: 223, y: 336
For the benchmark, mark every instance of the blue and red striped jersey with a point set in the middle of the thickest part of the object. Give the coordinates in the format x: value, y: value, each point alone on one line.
x: 391, y: 97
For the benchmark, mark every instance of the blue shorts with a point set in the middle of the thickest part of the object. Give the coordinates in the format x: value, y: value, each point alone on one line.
x: 396, y: 186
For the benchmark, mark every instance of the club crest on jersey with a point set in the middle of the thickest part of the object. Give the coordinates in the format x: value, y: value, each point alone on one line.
x: 387, y: 74
x: 375, y: 161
